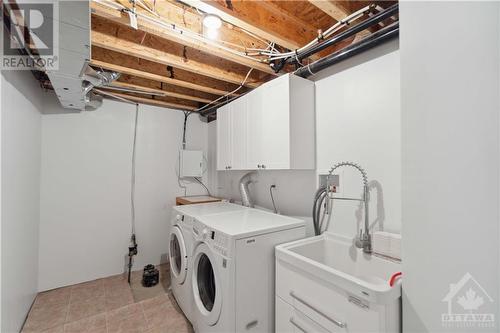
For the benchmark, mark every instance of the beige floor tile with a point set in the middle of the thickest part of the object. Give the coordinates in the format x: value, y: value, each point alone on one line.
x: 54, y: 296
x: 87, y: 290
x: 160, y: 312
x: 94, y: 324
x: 142, y: 293
x: 45, y: 316
x: 128, y: 319
x: 87, y: 308
x: 180, y: 325
x: 120, y: 299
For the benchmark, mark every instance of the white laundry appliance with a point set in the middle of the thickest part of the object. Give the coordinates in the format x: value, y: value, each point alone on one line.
x: 181, y: 247
x: 234, y: 267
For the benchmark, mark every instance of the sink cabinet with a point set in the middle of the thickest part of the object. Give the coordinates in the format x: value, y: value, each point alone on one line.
x: 307, y: 301
x: 270, y: 128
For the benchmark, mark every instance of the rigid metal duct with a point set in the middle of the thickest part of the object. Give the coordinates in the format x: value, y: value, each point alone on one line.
x: 93, y: 79
x: 372, y: 40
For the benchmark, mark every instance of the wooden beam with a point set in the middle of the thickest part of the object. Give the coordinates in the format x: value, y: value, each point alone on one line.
x: 215, y: 49
x: 331, y: 9
x: 154, y: 102
x: 248, y: 15
x: 124, y: 46
x: 156, y: 77
x: 126, y: 85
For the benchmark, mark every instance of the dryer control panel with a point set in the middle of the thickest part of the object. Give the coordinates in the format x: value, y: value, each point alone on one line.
x: 217, y: 240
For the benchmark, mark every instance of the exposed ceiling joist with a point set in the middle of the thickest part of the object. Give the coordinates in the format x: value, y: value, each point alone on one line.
x: 137, y: 87
x: 216, y: 49
x: 123, y: 46
x: 252, y: 18
x: 333, y: 10
x: 156, y: 77
x: 155, y: 102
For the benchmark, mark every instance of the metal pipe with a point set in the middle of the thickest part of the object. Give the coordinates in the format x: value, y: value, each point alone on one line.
x: 391, y: 11
x: 372, y: 40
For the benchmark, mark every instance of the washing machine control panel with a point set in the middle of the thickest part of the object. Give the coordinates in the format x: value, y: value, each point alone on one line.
x: 217, y: 240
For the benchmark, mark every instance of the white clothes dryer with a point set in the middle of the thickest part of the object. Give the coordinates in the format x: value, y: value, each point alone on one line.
x: 234, y: 267
x: 181, y: 248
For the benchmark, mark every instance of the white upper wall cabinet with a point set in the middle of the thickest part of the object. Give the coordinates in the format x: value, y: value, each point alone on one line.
x: 272, y: 127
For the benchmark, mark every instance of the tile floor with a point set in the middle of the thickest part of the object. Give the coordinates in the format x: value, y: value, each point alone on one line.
x: 109, y: 305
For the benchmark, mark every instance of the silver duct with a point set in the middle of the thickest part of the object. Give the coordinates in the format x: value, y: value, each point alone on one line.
x: 92, y: 79
x: 246, y: 200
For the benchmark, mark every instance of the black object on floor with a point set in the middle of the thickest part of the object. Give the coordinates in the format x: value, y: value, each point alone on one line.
x: 151, y: 276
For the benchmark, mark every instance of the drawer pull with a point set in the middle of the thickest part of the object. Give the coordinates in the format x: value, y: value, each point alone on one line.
x: 306, y: 303
x: 358, y: 302
x: 294, y: 323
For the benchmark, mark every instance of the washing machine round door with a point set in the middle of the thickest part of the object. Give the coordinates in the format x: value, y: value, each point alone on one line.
x: 178, y: 256
x: 206, y: 285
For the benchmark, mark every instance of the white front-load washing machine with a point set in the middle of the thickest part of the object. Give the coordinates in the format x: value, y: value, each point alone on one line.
x: 234, y: 267
x: 181, y: 248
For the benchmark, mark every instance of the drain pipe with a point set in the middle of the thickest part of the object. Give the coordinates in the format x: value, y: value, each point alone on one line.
x: 246, y: 200
x: 369, y: 42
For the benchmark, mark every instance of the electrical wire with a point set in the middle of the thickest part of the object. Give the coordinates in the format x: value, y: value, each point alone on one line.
x: 226, y: 95
x: 272, y: 53
x: 206, y: 188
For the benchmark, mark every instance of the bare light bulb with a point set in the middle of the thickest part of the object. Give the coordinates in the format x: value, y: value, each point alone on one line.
x: 211, y: 33
x: 212, y: 22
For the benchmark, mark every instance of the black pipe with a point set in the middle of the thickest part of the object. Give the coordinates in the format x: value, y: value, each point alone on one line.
x: 214, y: 108
x: 372, y: 40
x: 375, y: 19
x: 391, y: 11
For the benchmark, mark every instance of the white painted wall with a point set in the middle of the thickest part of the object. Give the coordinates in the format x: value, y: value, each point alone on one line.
x: 357, y: 119
x: 20, y: 137
x: 450, y: 106
x: 85, y: 188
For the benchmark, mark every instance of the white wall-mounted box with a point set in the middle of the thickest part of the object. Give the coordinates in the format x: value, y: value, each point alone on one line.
x: 190, y: 163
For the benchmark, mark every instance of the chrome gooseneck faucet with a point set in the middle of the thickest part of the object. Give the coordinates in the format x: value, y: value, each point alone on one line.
x: 364, y: 240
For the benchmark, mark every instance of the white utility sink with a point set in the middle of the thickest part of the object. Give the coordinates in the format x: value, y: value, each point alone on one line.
x: 335, y: 260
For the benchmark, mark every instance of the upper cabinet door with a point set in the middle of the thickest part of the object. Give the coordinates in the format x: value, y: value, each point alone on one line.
x: 254, y: 129
x: 224, y: 137
x: 239, y: 134
x: 275, y: 124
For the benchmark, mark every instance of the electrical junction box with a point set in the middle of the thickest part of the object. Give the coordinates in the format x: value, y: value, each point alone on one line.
x: 190, y: 163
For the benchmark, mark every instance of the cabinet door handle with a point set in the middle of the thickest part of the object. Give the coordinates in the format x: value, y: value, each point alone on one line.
x: 294, y: 323
x: 258, y: 166
x: 314, y: 308
x: 263, y: 166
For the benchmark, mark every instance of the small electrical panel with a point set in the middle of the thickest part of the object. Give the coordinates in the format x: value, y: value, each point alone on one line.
x: 190, y: 163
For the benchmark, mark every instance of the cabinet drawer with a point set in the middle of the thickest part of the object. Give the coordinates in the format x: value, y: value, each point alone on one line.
x: 290, y: 320
x: 331, y: 307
